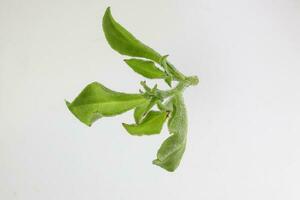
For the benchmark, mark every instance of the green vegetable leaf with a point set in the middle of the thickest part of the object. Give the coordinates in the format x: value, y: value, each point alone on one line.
x: 170, y: 152
x: 123, y: 41
x: 145, y: 68
x: 170, y: 69
x: 177, y: 124
x: 152, y: 124
x: 142, y: 110
x: 96, y: 101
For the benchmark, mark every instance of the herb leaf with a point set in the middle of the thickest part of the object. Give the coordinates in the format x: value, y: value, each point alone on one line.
x: 145, y: 68
x: 170, y: 152
x: 123, y: 41
x: 96, y: 101
x: 177, y: 124
x: 142, y: 110
x: 152, y: 124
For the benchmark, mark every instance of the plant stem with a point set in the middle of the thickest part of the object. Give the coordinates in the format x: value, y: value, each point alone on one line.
x: 183, y: 81
x: 180, y: 87
x: 178, y: 75
x: 171, y: 70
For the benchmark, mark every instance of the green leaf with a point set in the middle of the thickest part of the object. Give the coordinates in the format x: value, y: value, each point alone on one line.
x: 145, y: 68
x: 177, y: 124
x: 142, y: 110
x: 168, y: 80
x: 96, y: 101
x: 171, y: 70
x: 123, y: 41
x: 171, y: 151
x: 152, y: 124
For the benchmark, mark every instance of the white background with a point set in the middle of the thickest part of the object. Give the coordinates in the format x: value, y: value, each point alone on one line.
x: 244, y: 116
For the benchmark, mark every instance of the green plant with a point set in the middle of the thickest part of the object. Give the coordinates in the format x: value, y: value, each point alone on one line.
x: 96, y: 101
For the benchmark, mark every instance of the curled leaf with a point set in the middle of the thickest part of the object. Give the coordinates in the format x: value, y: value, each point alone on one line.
x: 123, y: 41
x: 170, y: 152
x: 177, y: 123
x: 151, y: 124
x: 96, y: 101
x: 145, y: 68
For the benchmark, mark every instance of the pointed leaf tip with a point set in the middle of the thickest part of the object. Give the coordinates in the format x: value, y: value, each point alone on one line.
x: 145, y: 68
x: 96, y: 101
x: 151, y: 124
x: 122, y: 41
x: 67, y: 103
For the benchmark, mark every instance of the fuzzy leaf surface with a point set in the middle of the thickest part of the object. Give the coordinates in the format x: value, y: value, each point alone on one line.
x: 171, y: 151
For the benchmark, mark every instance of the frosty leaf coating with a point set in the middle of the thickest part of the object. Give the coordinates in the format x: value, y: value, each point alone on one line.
x: 152, y: 107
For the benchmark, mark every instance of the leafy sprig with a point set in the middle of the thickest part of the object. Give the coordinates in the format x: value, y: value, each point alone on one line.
x: 96, y: 101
